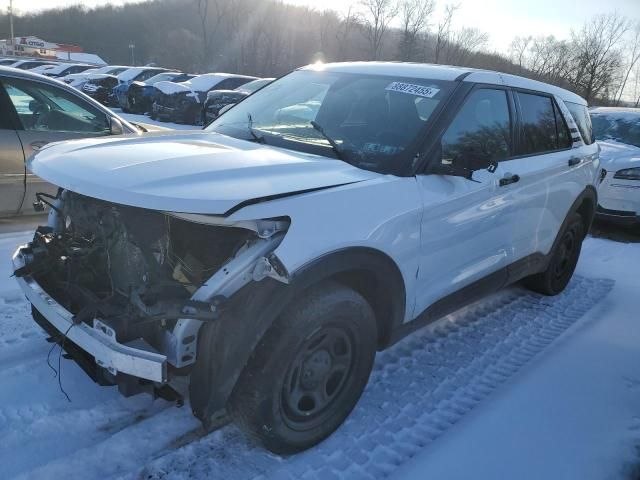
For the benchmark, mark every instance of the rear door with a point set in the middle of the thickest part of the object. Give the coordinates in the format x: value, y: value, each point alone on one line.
x: 539, y: 184
x: 12, y: 171
x: 46, y: 113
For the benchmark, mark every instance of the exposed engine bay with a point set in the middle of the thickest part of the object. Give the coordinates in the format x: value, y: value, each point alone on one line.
x: 139, y: 271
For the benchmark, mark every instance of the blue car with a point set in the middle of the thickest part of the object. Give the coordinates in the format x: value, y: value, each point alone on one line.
x: 140, y: 94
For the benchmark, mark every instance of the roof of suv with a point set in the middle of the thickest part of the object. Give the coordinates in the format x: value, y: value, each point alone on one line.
x: 447, y: 72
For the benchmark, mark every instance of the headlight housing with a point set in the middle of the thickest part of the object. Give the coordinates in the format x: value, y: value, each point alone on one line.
x: 628, y: 174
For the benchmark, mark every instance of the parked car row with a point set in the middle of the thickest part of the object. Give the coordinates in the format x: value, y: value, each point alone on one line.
x: 164, y: 94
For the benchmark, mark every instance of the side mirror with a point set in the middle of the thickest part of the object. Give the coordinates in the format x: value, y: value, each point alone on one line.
x: 452, y: 167
x: 116, y: 127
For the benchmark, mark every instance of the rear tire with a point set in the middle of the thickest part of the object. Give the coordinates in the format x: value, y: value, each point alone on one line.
x: 563, y: 261
x: 308, y: 371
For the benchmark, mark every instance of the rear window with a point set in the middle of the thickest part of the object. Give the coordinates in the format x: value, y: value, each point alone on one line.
x: 583, y: 120
x: 543, y: 128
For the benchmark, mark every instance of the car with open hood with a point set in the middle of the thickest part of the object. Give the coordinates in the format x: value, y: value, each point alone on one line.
x: 617, y: 131
x: 265, y: 259
x: 182, y: 102
x: 219, y: 99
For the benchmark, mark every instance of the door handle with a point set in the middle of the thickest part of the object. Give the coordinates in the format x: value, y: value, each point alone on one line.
x: 38, y: 145
x: 573, y: 161
x: 508, y: 180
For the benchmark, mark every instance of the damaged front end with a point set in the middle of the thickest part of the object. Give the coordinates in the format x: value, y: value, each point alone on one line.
x: 132, y: 287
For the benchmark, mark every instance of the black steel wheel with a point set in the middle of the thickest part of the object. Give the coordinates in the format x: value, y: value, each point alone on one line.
x: 309, y: 370
x: 317, y: 376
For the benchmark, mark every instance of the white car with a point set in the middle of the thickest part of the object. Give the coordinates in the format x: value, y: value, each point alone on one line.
x: 77, y: 80
x: 268, y: 257
x: 617, y: 131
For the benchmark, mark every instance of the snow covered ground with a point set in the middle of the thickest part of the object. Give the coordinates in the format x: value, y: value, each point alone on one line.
x: 517, y: 386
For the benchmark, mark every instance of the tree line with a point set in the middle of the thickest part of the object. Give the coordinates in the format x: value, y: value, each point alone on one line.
x: 599, y: 61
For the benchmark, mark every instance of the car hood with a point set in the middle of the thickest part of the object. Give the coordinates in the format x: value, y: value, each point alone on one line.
x: 615, y: 155
x: 195, y: 172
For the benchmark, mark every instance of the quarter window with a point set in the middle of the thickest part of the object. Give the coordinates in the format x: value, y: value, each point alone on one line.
x: 583, y: 120
x: 543, y: 128
x: 481, y: 131
x: 564, y: 137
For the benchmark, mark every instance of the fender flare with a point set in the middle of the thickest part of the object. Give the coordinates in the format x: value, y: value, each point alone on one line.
x: 225, y: 346
x: 589, y: 194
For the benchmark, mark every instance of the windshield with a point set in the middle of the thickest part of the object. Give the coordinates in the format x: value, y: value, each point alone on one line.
x: 623, y: 127
x: 373, y: 122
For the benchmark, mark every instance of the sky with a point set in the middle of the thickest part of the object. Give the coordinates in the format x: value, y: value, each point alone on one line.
x: 501, y: 19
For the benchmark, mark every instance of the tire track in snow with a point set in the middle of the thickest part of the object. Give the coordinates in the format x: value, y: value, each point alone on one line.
x: 418, y: 390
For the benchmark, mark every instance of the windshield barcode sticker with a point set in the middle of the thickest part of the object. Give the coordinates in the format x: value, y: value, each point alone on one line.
x: 412, y: 89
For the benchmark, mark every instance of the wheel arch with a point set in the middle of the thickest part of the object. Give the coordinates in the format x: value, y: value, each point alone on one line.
x: 225, y: 346
x: 371, y: 273
x: 585, y: 205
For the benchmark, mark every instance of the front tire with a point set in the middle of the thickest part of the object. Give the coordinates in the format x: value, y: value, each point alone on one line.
x: 563, y: 261
x: 308, y: 371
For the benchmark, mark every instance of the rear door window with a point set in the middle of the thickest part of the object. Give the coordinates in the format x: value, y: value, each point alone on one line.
x: 581, y: 116
x: 540, y: 131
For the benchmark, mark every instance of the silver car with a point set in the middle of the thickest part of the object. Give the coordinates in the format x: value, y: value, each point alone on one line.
x: 36, y: 110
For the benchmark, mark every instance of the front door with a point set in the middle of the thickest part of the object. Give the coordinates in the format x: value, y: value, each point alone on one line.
x: 465, y: 235
x: 12, y: 171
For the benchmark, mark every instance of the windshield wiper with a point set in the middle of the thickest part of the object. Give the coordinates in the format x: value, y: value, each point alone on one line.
x: 336, y: 149
x: 257, y: 138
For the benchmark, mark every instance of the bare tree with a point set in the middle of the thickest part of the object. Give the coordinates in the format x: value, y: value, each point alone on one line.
x: 211, y: 14
x: 636, y: 86
x: 549, y: 59
x: 444, y: 30
x: 518, y: 49
x: 345, y: 30
x: 634, y: 56
x: 463, y: 43
x: 414, y: 15
x: 376, y: 17
x: 595, y: 53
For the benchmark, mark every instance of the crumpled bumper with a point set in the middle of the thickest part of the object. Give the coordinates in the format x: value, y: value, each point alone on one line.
x: 98, y: 340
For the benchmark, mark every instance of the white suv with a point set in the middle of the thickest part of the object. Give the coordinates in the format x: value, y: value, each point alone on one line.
x: 321, y: 219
